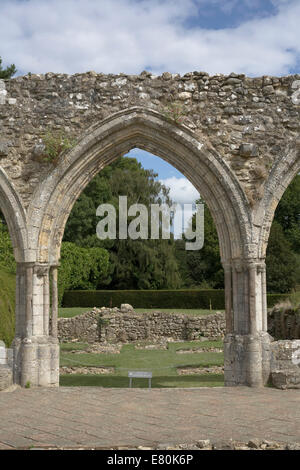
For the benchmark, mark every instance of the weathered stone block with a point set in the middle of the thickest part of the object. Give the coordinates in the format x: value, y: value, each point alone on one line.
x: 285, y: 379
x: 4, y: 149
x: 248, y: 150
x: 6, y: 377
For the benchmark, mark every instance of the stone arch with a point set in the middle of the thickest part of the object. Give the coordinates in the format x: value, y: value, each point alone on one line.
x: 245, y: 295
x: 218, y: 109
x: 14, y: 213
x: 148, y: 130
x: 15, y: 216
x: 282, y: 174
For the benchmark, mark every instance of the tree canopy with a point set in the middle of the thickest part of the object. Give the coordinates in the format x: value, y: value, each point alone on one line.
x: 134, y: 264
x: 8, y: 72
x: 203, y: 268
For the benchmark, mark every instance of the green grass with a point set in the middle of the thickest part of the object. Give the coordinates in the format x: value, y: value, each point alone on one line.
x: 188, y: 311
x: 73, y: 311
x: 7, y: 306
x: 162, y: 363
x: 213, y: 380
x: 73, y: 346
x: 196, y: 344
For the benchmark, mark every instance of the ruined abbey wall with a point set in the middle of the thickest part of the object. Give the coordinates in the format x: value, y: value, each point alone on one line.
x: 250, y: 122
x: 235, y: 138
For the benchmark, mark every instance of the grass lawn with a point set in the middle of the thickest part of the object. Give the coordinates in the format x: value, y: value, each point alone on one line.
x: 73, y: 311
x: 162, y: 363
x: 188, y: 311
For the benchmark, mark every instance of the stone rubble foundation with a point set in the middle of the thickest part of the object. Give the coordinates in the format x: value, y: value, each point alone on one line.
x: 202, y: 445
x: 86, y: 370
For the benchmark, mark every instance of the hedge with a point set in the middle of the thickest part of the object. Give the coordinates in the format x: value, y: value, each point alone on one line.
x: 203, y: 299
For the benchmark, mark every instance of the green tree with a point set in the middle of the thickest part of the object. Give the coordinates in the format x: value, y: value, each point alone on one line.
x: 287, y: 213
x: 8, y: 72
x: 134, y: 264
x: 7, y: 260
x: 281, y: 262
x: 81, y: 268
x: 202, y: 268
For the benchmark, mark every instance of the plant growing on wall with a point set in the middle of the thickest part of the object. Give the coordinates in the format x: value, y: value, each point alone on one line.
x: 174, y: 112
x: 55, y: 143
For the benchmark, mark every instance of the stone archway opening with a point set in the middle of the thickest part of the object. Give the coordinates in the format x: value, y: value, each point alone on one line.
x: 283, y: 264
x: 13, y: 234
x: 7, y: 289
x: 246, y: 343
x: 67, y: 327
x: 239, y: 143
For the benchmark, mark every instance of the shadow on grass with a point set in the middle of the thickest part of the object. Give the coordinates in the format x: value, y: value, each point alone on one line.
x: 74, y: 380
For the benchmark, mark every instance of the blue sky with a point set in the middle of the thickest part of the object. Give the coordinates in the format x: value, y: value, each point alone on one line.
x: 255, y: 37
x: 230, y: 14
x: 150, y: 161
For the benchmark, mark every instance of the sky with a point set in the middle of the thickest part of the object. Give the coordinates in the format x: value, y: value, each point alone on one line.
x: 255, y: 37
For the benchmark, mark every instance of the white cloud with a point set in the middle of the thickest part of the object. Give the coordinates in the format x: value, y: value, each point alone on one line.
x: 127, y: 36
x: 181, y: 190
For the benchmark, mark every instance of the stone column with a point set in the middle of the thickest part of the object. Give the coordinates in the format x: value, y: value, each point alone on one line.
x: 247, y: 346
x: 228, y: 297
x: 263, y: 279
x: 35, y: 352
x: 54, y: 301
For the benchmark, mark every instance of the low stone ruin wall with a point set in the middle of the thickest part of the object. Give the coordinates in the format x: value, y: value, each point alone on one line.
x: 6, y: 355
x: 6, y: 377
x: 125, y: 325
x: 285, y: 364
x: 6, y: 364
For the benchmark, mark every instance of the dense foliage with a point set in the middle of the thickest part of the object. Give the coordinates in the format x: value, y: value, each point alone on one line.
x: 282, y: 262
x: 7, y: 260
x: 203, y: 268
x: 134, y: 264
x: 7, y: 306
x: 81, y: 268
x: 287, y: 214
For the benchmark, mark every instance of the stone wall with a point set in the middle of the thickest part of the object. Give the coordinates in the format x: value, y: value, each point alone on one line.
x: 6, y: 377
x: 122, y: 325
x: 6, y: 364
x: 241, y: 117
x: 125, y: 325
x: 236, y: 140
x: 6, y: 355
x: 285, y: 364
